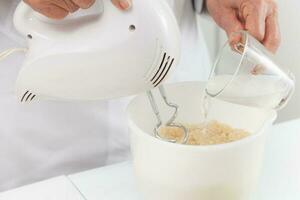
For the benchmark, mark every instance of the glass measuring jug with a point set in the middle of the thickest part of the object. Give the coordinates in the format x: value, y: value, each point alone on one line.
x: 245, y: 73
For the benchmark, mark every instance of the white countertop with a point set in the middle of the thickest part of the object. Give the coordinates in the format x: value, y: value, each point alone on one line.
x: 280, y: 179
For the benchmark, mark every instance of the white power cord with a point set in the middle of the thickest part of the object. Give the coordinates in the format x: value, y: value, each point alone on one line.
x: 8, y: 52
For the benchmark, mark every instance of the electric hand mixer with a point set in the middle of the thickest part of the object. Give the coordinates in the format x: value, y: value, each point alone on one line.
x: 100, y: 53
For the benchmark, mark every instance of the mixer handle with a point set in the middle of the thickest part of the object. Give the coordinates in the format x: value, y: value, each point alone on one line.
x: 94, y: 10
x: 24, y: 11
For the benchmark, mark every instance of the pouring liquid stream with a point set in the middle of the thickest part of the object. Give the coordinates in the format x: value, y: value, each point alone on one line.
x: 205, y: 110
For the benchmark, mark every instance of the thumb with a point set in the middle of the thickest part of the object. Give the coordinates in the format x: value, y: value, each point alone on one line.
x: 122, y: 4
x: 231, y: 24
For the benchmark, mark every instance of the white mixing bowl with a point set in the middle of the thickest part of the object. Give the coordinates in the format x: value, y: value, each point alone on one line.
x: 167, y: 171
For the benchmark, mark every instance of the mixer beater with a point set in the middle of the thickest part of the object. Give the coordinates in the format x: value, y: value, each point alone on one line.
x: 171, y: 122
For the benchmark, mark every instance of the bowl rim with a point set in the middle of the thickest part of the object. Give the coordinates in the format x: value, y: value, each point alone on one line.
x: 136, y: 130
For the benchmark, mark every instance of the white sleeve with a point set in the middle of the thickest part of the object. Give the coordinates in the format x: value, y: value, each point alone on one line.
x: 199, y: 6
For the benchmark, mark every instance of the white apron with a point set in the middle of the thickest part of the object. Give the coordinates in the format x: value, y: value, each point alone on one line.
x: 46, y: 139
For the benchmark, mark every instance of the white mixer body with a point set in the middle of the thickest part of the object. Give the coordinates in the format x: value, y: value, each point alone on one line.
x: 105, y: 55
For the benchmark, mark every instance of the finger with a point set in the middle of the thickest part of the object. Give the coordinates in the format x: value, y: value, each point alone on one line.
x: 66, y: 4
x: 84, y: 4
x: 231, y: 24
x: 122, y: 4
x: 272, y: 38
x: 254, y: 16
x: 52, y: 11
x: 72, y: 7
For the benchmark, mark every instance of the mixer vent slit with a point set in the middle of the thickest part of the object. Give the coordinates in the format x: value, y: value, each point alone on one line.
x: 164, y: 76
x: 32, y: 97
x: 162, y: 72
x: 28, y: 97
x: 161, y: 64
x: 24, y: 96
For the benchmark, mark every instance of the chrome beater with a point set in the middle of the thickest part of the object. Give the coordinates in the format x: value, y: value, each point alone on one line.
x: 171, y: 121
